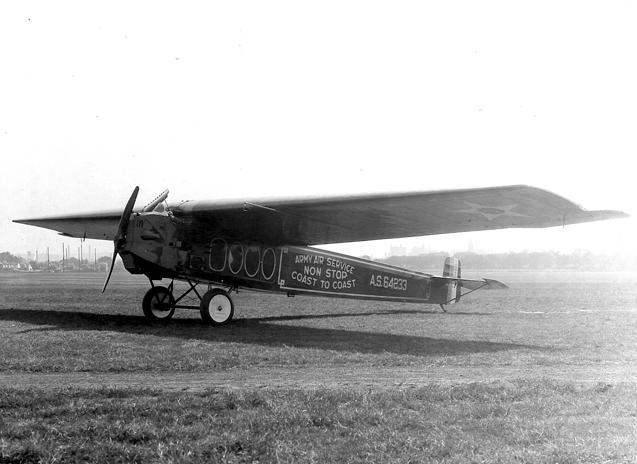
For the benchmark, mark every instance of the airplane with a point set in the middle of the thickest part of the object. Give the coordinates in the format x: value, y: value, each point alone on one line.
x: 268, y: 244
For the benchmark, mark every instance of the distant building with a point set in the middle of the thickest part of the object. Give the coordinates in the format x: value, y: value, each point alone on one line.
x: 6, y: 266
x: 96, y: 267
x: 420, y: 250
x: 397, y: 250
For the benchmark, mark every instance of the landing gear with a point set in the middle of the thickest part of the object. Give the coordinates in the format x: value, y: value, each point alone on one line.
x: 158, y: 304
x: 216, y: 307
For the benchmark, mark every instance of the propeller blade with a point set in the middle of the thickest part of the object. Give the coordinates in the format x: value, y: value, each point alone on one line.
x: 120, y: 236
x: 125, y: 219
x: 110, y: 270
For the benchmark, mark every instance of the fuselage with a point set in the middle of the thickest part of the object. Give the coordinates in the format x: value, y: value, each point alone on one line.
x: 163, y: 246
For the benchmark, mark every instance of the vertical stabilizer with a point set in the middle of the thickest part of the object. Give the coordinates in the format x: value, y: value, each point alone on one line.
x: 453, y: 269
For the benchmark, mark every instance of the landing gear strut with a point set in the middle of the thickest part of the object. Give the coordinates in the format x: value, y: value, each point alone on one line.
x: 216, y: 307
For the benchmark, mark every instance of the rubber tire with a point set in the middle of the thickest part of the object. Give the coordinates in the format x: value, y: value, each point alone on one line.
x: 151, y: 301
x: 216, y: 307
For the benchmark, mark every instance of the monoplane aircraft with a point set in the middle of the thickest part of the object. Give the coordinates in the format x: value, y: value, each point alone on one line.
x: 266, y: 244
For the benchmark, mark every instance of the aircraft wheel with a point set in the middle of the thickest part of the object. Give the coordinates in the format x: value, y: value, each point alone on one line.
x: 158, y: 304
x: 217, y: 308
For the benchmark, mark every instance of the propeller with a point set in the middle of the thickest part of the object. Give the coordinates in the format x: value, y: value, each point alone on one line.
x: 120, y: 236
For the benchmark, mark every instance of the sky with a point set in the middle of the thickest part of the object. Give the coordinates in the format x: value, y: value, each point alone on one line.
x: 253, y: 99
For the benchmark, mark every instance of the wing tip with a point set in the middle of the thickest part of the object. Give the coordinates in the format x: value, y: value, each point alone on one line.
x: 603, y: 215
x: 617, y: 214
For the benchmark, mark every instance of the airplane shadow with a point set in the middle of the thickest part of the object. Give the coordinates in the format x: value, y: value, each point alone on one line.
x: 301, y: 317
x: 264, y: 331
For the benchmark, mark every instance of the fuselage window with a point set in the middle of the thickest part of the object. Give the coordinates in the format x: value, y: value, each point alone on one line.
x: 268, y: 265
x: 235, y: 258
x: 253, y: 259
x: 218, y: 253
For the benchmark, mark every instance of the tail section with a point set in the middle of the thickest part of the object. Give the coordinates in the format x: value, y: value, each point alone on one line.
x: 447, y: 289
x: 452, y: 269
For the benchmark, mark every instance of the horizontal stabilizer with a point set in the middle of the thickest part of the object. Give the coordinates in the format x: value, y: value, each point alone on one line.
x: 484, y: 284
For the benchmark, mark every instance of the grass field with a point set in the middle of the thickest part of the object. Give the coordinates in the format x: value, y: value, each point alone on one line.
x: 543, y: 372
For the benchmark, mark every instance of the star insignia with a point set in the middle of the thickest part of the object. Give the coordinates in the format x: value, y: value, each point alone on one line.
x: 490, y: 212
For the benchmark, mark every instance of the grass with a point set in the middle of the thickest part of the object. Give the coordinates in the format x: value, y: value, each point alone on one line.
x: 562, y: 321
x: 516, y: 422
x: 50, y: 326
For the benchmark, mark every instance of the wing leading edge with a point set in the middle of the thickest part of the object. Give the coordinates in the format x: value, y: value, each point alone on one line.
x: 340, y: 219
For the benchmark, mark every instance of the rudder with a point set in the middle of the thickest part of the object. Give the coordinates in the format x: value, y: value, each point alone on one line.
x: 453, y: 269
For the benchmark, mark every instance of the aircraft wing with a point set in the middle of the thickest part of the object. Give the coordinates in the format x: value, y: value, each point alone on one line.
x: 99, y: 225
x: 350, y: 218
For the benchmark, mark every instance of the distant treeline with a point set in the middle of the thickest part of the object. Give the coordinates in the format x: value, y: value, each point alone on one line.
x: 7, y: 257
x: 580, y: 260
